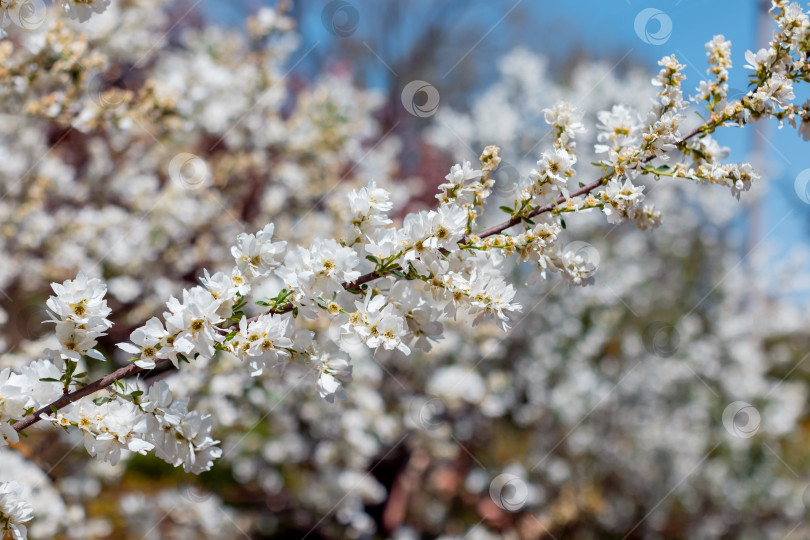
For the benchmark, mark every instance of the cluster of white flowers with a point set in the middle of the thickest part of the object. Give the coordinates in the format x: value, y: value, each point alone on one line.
x: 84, y: 9
x: 456, y: 185
x: 622, y: 200
x: 28, y: 14
x: 715, y: 92
x: 179, y: 436
x: 554, y: 169
x: 256, y: 255
x: 619, y: 127
x: 123, y: 420
x: 13, y: 511
x: 35, y: 385
x: 138, y: 422
x: 369, y: 206
x: 265, y: 341
x: 108, y: 426
x: 80, y: 313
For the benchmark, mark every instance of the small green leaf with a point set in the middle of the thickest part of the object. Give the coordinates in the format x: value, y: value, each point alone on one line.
x: 49, y: 379
x: 102, y: 400
x: 507, y: 209
x: 562, y: 222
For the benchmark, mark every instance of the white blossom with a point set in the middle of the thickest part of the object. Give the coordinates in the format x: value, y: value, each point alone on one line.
x: 256, y: 254
x: 83, y: 9
x: 13, y: 511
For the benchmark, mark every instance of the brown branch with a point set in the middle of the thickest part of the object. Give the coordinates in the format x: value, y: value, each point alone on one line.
x: 95, y: 386
x: 584, y: 190
x: 495, y: 229
x: 132, y: 369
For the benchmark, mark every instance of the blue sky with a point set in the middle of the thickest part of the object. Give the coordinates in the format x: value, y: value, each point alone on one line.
x: 605, y: 28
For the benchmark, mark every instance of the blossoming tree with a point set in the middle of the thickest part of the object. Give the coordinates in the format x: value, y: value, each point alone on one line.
x: 150, y: 160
